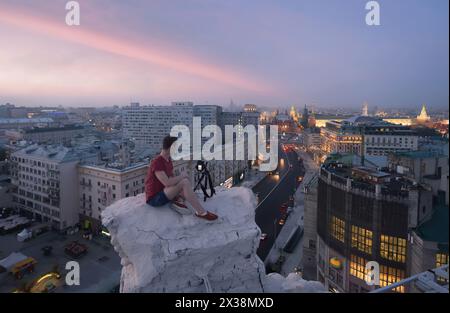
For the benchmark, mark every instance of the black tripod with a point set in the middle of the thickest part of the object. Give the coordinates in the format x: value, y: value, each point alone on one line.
x: 203, y: 180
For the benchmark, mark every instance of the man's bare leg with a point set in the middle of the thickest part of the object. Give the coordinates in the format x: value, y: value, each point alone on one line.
x: 184, y: 189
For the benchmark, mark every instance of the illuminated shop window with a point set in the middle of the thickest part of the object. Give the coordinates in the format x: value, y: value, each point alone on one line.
x: 337, y: 228
x: 390, y: 275
x: 358, y: 267
x: 362, y: 239
x: 393, y: 248
x: 441, y: 260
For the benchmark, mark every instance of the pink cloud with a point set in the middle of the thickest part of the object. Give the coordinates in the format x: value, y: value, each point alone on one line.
x: 143, y: 52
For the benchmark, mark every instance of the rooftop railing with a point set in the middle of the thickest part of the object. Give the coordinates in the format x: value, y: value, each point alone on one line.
x: 431, y: 281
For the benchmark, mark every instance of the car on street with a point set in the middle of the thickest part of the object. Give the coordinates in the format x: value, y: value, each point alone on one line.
x: 263, y: 236
x: 283, y: 207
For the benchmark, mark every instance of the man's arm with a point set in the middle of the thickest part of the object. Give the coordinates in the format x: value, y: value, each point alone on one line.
x: 168, y: 181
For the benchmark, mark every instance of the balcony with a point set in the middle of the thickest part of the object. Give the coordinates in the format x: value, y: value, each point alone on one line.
x: 85, y: 184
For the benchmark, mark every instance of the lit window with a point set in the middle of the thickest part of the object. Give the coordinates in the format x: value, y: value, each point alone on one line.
x: 358, y: 267
x: 390, y: 275
x: 393, y: 248
x: 337, y: 228
x: 441, y: 260
x: 362, y: 239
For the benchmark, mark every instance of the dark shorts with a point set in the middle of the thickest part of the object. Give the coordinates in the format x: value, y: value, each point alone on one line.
x: 159, y: 199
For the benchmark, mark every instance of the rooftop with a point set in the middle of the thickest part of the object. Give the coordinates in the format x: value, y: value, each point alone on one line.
x: 420, y: 154
x: 436, y: 229
x: 116, y: 168
x: 57, y: 153
x: 360, y: 119
x: 25, y: 120
x: 366, y: 178
x: 53, y: 129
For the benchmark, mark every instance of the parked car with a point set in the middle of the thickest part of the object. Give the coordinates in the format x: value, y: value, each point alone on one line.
x: 263, y: 236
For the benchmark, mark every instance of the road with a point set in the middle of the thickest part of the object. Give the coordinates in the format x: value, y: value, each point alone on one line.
x: 273, y: 191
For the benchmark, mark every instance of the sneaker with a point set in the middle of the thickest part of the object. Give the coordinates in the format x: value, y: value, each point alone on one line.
x: 208, y: 216
x: 180, y: 207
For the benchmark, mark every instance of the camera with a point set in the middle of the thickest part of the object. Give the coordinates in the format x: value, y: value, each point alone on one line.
x: 201, y: 166
x: 204, y: 181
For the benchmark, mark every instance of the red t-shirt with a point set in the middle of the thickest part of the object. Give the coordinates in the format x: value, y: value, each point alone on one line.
x: 152, y: 183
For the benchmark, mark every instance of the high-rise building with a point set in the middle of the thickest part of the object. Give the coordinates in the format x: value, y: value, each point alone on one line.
x: 148, y: 125
x: 397, y: 218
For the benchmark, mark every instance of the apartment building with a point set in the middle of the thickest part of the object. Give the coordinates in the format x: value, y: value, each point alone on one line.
x: 148, y: 125
x: 383, y: 139
x: 45, y: 185
x: 101, y: 185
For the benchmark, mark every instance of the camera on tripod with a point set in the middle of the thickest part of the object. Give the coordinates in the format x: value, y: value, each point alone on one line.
x: 201, y: 166
x: 204, y: 179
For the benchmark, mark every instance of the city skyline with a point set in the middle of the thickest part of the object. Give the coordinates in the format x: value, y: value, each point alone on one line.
x: 270, y: 54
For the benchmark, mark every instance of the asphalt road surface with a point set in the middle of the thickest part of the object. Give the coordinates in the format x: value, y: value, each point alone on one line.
x: 273, y: 191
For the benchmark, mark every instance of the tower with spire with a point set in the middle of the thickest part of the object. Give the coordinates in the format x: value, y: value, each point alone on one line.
x: 423, y: 116
x: 293, y: 114
x: 305, y: 117
x: 365, y: 109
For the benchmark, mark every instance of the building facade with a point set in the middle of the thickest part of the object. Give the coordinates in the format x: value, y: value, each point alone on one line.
x: 367, y: 135
x: 100, y: 186
x: 45, y: 184
x: 148, y: 125
x: 364, y: 215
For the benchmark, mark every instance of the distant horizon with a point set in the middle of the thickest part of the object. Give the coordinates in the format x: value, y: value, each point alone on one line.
x: 238, y: 105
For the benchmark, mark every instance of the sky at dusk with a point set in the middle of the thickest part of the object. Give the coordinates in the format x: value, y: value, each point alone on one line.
x: 271, y: 53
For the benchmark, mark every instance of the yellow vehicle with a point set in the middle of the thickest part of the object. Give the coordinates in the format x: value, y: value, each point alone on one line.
x: 46, y: 283
x: 20, y: 268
